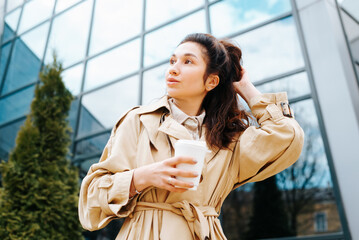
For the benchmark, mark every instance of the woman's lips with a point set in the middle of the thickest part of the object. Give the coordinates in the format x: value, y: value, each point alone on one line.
x: 172, y: 81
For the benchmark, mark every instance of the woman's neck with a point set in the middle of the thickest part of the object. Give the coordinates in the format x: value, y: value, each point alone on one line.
x: 189, y: 107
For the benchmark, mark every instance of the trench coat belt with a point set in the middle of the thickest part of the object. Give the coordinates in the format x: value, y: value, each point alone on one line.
x: 193, y: 214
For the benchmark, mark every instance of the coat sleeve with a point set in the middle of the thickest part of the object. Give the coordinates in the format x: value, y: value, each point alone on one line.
x: 271, y: 147
x: 104, y: 193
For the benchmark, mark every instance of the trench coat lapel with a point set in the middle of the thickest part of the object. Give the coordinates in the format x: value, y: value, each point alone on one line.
x: 170, y: 127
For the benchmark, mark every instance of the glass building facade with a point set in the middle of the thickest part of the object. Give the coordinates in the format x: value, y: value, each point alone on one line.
x: 115, y: 53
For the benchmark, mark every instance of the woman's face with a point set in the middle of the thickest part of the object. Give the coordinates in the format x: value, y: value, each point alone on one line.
x: 184, y: 76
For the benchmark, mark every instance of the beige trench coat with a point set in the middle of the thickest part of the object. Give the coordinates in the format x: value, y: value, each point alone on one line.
x: 139, y: 139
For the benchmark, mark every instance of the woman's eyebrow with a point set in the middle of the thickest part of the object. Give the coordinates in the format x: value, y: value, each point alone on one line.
x: 186, y: 55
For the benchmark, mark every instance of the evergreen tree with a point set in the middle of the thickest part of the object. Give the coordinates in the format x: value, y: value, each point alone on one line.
x: 39, y: 196
x: 269, y: 219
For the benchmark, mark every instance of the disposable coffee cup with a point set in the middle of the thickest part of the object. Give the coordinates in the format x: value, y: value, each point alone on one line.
x: 195, y: 149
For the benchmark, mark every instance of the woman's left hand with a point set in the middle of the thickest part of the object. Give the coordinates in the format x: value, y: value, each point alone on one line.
x: 245, y: 87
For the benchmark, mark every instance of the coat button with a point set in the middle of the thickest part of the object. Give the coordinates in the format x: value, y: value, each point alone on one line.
x: 206, y: 238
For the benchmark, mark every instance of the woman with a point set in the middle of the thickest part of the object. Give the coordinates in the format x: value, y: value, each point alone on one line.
x: 136, y: 175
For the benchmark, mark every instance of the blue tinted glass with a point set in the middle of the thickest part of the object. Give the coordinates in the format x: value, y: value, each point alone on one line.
x: 72, y: 78
x: 114, y: 22
x: 160, y: 44
x: 7, y: 34
x: 89, y: 123
x: 5, y: 50
x: 154, y: 84
x: 35, y: 12
x: 26, y: 58
x: 16, y: 105
x: 168, y: 10
x: 112, y: 65
x: 105, y: 106
x: 10, y: 24
x: 63, y: 4
x: 296, y: 85
x: 271, y: 50
x: 12, y: 4
x: 7, y: 138
x: 69, y: 34
x: 232, y: 16
x: 73, y: 114
x: 91, y: 146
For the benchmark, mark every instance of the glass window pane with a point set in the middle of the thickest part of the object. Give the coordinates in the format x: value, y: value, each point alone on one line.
x: 296, y: 85
x: 12, y: 4
x: 160, y: 44
x: 73, y: 114
x: 5, y: 51
x: 112, y: 65
x: 114, y: 22
x: 36, y: 39
x: 154, y: 84
x: 90, y: 147
x: 168, y: 10
x: 69, y: 35
x: 306, y: 188
x: 72, y: 78
x: 35, y: 12
x: 10, y: 25
x: 231, y: 16
x: 271, y: 50
x: 16, y: 105
x: 63, y: 4
x: 7, y: 138
x: 101, y: 109
x: 313, y: 182
x: 351, y: 6
x: 26, y: 58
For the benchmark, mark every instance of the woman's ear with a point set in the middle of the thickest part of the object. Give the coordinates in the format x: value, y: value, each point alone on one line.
x: 212, y: 82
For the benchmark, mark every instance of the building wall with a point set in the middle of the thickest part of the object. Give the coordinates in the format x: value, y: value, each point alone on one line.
x: 115, y: 53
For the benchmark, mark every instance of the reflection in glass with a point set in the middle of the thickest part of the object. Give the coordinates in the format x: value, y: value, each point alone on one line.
x: 72, y: 78
x: 10, y: 25
x: 84, y: 166
x: 160, y: 11
x: 114, y: 22
x: 5, y: 50
x: 160, y: 44
x: 63, y: 4
x: 154, y: 84
x: 90, y: 147
x: 26, y: 58
x: 69, y: 34
x: 295, y: 85
x: 112, y: 65
x: 12, y: 4
x: 7, y: 138
x: 271, y: 50
x: 352, y: 7
x: 228, y: 17
x: 36, y: 39
x: 73, y: 114
x: 307, y: 185
x: 35, y: 12
x: 104, y: 107
x: 16, y: 105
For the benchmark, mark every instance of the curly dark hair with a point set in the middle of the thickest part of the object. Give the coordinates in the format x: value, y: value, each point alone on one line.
x: 223, y: 117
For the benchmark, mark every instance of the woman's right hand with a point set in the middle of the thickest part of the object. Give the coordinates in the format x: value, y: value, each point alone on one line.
x: 162, y: 175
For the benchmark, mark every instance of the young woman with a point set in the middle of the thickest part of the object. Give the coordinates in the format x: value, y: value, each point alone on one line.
x: 137, y: 172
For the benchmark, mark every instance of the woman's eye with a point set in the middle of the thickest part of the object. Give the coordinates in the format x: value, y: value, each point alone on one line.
x: 188, y: 61
x: 172, y: 61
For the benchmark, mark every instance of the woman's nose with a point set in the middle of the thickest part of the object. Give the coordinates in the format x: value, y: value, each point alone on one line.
x: 173, y: 70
